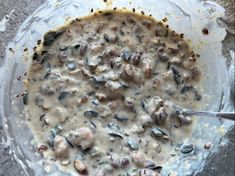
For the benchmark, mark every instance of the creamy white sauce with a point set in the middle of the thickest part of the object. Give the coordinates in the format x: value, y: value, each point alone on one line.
x: 104, y: 84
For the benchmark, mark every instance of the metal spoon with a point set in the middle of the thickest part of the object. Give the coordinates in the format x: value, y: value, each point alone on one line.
x: 189, y: 112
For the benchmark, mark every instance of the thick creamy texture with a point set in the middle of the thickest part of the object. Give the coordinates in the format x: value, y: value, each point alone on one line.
x: 100, y: 94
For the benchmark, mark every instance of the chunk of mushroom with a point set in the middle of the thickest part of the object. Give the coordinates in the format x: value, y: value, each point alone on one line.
x: 80, y: 166
x: 156, y: 109
x: 175, y: 60
x: 101, y: 96
x: 94, y: 61
x: 138, y: 158
x: 160, y: 115
x: 110, y: 52
x: 113, y: 86
x: 115, y: 160
x: 100, y: 69
x: 58, y: 114
x: 154, y: 104
x: 167, y: 76
x: 129, y: 103
x: 145, y: 120
x: 187, y: 64
x: 132, y: 73
x: 148, y: 68
x: 128, y: 69
x: 148, y: 71
x: 96, y: 48
x: 82, y: 137
x: 184, y: 120
x: 137, y: 129
x: 36, y: 66
x: 61, y: 146
x: 138, y: 75
x: 156, y: 84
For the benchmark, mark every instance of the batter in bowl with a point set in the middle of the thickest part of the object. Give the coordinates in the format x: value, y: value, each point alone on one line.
x: 100, y: 92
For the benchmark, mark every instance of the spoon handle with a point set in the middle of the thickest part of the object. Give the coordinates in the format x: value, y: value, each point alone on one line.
x: 225, y: 115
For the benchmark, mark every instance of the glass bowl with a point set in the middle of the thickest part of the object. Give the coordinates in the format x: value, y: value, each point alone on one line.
x: 184, y: 17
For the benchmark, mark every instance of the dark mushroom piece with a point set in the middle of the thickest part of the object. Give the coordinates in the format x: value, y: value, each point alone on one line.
x: 133, y: 144
x: 135, y: 59
x: 186, y: 149
x: 160, y: 116
x: 71, y: 66
x: 106, y: 37
x: 197, y: 95
x: 25, y: 98
x: 149, y: 164
x: 126, y: 55
x: 80, y: 48
x: 122, y: 116
x: 50, y: 37
x: 184, y: 120
x: 116, y: 135
x: 158, y: 132
x: 63, y: 95
x: 52, y: 134
x: 186, y: 88
x: 91, y: 113
x: 63, y: 48
x: 163, y: 56
x: 83, y: 48
x: 177, y: 76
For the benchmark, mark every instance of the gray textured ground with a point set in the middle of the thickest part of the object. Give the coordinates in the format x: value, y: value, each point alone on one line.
x: 221, y: 164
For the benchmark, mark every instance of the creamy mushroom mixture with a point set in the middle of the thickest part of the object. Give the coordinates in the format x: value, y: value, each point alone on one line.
x: 100, y: 94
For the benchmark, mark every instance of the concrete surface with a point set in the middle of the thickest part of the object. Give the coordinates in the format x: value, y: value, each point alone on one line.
x: 221, y: 164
